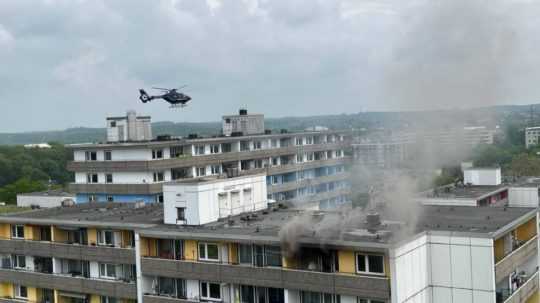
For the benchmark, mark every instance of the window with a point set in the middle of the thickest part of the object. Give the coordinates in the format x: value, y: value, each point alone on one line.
x: 92, y: 178
x: 105, y: 299
x: 274, y: 143
x: 105, y: 237
x: 110, y: 198
x: 170, y: 287
x: 21, y: 291
x: 272, y: 255
x: 108, y: 178
x: 299, y: 141
x: 244, y: 145
x: 157, y: 154
x: 108, y: 155
x: 275, y: 161
x: 216, y: 169
x: 176, y: 151
x: 275, y: 179
x: 226, y: 147
x: 90, y: 156
x: 210, y: 291
x: 245, y: 254
x: 310, y: 156
x: 92, y: 198
x: 159, y: 176
x: 258, y: 163
x: 257, y: 145
x: 45, y: 233
x: 180, y: 214
x: 201, y: 171
x: 317, y: 297
x: 208, y: 252
x: 309, y: 140
x: 214, y: 148
x: 199, y: 149
x: 17, y: 231
x: 107, y: 271
x: 19, y: 261
x: 373, y: 264
x: 361, y: 300
x: 299, y: 158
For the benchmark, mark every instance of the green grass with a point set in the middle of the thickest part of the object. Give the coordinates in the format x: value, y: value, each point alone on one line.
x: 12, y: 209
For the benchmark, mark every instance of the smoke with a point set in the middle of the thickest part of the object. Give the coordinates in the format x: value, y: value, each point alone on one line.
x: 449, y: 55
x: 393, y: 199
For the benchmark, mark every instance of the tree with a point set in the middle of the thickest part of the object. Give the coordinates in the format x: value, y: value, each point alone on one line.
x: 9, y: 192
x: 525, y: 165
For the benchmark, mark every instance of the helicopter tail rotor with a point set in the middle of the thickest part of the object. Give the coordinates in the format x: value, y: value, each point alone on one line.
x: 144, y: 97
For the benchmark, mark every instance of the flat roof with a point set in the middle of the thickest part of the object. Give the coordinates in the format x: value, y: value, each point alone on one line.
x: 112, y: 214
x: 201, y: 140
x: 211, y: 179
x: 464, y: 192
x: 48, y: 193
x: 340, y: 228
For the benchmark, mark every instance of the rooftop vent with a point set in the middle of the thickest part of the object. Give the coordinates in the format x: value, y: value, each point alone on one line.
x: 193, y: 136
x: 373, y: 221
x: 243, y: 112
x: 68, y: 203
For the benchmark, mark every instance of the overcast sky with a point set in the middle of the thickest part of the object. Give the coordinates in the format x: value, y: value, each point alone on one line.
x: 69, y: 63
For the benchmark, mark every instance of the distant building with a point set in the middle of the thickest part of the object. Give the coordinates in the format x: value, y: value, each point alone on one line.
x: 129, y: 128
x: 37, y: 145
x: 531, y: 136
x: 243, y: 124
x: 50, y: 198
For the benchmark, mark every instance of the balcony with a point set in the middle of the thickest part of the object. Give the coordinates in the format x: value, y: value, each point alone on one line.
x: 281, y: 169
x: 110, y: 288
x: 162, y: 299
x: 523, y: 293
x: 116, y: 188
x: 275, y: 188
x: 507, y: 265
x: 68, y: 251
x: 346, y: 284
x: 152, y: 165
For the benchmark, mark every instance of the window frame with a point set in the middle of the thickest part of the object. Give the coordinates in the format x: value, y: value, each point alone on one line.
x: 207, y: 289
x: 102, y: 238
x: 157, y: 154
x: 109, y: 178
x: 107, y: 155
x: 18, y: 292
x: 16, y: 261
x: 366, y: 262
x: 104, y: 271
x: 15, y: 231
x: 205, y: 256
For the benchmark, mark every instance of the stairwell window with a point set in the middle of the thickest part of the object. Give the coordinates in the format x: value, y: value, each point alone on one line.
x: 370, y: 264
x: 208, y: 252
x: 210, y: 291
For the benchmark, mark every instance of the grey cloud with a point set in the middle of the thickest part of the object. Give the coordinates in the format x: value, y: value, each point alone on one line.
x: 70, y: 63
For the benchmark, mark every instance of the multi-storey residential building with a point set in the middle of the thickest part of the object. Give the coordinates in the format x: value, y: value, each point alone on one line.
x: 122, y: 252
x: 531, y: 136
x: 304, y: 166
x: 389, y: 149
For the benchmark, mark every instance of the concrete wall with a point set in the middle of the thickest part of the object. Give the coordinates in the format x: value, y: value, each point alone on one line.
x: 441, y: 268
x: 202, y: 202
x: 523, y: 196
x: 42, y: 201
x: 482, y: 176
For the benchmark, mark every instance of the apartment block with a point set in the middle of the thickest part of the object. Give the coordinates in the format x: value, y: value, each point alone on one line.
x: 304, y: 166
x: 531, y: 136
x: 279, y: 253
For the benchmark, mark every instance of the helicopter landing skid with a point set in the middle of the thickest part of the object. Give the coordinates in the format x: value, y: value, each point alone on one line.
x: 177, y: 106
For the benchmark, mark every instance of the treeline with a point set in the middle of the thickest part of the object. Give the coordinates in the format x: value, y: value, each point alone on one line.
x: 32, y: 169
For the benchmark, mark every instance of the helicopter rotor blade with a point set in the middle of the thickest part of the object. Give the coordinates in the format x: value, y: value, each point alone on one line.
x: 183, y: 86
x: 160, y: 88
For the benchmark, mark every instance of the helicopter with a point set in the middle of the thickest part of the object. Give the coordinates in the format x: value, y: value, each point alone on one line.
x: 175, y: 98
